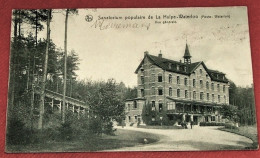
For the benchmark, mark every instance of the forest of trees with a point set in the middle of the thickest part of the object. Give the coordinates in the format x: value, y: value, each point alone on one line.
x: 37, y: 64
x: 242, y: 105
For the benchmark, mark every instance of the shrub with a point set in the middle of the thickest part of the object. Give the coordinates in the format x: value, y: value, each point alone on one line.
x: 95, y: 126
x: 131, y: 124
x: 66, y: 131
x: 212, y: 124
x: 17, y: 133
x: 231, y: 126
x: 108, y: 129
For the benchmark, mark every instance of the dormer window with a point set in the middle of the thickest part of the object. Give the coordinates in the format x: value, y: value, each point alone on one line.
x: 178, y: 67
x: 185, y: 68
x: 217, y: 76
x: 170, y: 66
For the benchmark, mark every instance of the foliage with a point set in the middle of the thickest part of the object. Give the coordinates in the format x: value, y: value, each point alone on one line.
x: 17, y: 133
x: 243, y: 99
x: 153, y: 117
x: 66, y: 131
x: 108, y: 129
x: 229, y: 112
x: 212, y: 124
x: 95, y: 126
x: 231, y: 126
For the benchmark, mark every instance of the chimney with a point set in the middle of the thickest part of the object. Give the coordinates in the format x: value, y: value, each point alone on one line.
x: 160, y: 54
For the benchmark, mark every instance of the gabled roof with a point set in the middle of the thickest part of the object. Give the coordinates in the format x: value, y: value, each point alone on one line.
x: 185, y: 69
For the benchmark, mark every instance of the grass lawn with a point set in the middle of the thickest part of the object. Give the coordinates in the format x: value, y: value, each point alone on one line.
x: 247, y: 131
x: 122, y: 138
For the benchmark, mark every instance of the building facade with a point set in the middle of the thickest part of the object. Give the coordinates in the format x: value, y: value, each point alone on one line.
x: 185, y: 91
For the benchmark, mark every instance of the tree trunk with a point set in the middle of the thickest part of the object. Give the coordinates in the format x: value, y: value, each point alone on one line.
x: 19, y: 26
x: 65, y: 68
x: 43, y: 83
x: 12, y: 65
x: 33, y: 67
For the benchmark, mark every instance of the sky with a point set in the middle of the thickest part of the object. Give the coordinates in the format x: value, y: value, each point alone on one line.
x: 106, y: 51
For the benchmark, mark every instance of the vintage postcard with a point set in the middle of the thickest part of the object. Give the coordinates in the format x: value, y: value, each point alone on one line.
x: 146, y: 79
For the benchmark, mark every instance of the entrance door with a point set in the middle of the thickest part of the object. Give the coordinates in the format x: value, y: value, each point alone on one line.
x: 187, y: 118
x: 195, y: 120
x: 206, y: 119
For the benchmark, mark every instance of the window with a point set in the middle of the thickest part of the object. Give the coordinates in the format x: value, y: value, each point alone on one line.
x: 160, y: 107
x: 129, y: 118
x: 178, y: 93
x: 218, y: 98
x: 212, y: 86
x: 159, y: 78
x: 170, y: 91
x: 213, y: 98
x: 185, y: 68
x: 194, y: 83
x: 207, y: 76
x: 207, y: 84
x: 201, y: 71
x: 142, y: 79
x: 201, y: 84
x: 178, y: 80
x: 135, y: 104
x: 194, y: 95
x: 186, y: 93
x: 153, y: 105
x: 171, y: 106
x: 207, y: 96
x: 153, y: 91
x: 160, y: 91
x: 129, y: 106
x: 185, y: 81
x: 135, y: 118
x: 218, y: 87
x: 224, y: 88
x: 225, y: 100
x: 177, y: 67
x: 170, y: 78
x: 201, y: 96
x: 142, y: 92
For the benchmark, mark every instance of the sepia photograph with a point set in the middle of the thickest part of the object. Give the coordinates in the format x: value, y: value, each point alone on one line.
x: 132, y: 79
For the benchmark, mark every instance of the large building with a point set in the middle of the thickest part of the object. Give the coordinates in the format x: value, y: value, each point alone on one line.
x: 185, y: 91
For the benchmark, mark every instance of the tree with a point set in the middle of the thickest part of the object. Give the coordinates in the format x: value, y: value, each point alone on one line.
x: 74, y: 11
x: 44, y: 76
x: 229, y: 112
x: 105, y: 102
x: 232, y: 93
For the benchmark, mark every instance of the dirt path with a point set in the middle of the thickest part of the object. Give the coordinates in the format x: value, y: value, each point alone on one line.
x: 198, y: 138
